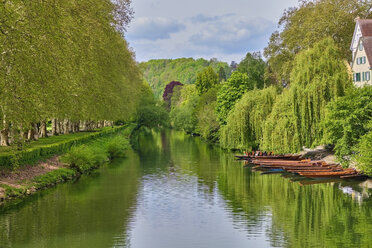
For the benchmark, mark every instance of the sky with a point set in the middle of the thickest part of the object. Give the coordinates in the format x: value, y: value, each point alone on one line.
x: 222, y: 29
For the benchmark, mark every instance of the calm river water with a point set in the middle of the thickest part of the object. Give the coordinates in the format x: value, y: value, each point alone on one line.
x: 176, y: 191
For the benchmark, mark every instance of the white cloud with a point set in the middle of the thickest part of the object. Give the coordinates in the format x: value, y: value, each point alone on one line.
x: 233, y: 34
x: 146, y: 28
x: 223, y: 29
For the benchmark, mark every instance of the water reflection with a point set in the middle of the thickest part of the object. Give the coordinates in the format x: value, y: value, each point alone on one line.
x: 177, y: 191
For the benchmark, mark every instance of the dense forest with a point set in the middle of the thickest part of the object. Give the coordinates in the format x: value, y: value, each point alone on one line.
x: 301, y: 96
x: 159, y: 72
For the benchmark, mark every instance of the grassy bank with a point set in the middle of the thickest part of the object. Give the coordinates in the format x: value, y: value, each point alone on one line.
x: 13, y: 157
x: 82, y: 154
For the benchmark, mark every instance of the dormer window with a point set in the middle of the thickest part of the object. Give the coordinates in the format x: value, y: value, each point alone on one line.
x: 361, y: 46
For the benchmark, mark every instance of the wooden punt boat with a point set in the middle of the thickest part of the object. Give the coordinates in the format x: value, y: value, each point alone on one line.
x: 273, y: 157
x: 298, y: 166
x: 283, y: 162
x: 305, y: 168
x: 355, y: 177
x: 336, y: 174
x: 312, y: 171
x: 271, y: 172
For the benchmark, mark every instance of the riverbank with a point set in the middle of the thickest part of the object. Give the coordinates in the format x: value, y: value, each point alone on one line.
x: 83, y: 155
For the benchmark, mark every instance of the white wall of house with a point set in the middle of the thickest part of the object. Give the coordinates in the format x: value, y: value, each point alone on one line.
x: 361, y: 68
x: 356, y: 37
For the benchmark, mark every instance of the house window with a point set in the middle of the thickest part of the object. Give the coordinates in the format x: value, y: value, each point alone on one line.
x: 361, y: 46
x: 366, y: 76
x: 361, y: 60
x: 357, y: 77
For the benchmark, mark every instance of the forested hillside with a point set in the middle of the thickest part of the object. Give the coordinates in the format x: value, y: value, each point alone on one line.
x: 158, y: 73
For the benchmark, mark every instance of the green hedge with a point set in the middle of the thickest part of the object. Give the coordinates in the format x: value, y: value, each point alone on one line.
x: 45, y: 148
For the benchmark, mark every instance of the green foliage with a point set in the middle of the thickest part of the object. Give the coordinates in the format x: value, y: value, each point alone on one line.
x: 205, y: 80
x: 318, y: 77
x: 162, y: 71
x: 11, y: 192
x: 47, y: 147
x: 183, y: 113
x: 208, y: 125
x: 52, y: 178
x: 150, y: 112
x: 244, y: 127
x: 221, y: 75
x: 254, y: 67
x: 279, y: 131
x: 303, y: 26
x: 117, y: 146
x: 84, y: 158
x: 230, y: 92
x: 65, y: 60
x: 348, y: 119
x: 363, y: 155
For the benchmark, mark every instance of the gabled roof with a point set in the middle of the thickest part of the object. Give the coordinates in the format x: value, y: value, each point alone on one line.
x: 367, y: 44
x: 365, y: 27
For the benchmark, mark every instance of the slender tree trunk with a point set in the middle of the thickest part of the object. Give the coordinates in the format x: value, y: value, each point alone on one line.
x: 59, y: 127
x: 66, y: 128
x: 54, y: 127
x: 77, y: 127
x: 32, y: 132
x: 4, y: 134
x: 43, y: 129
x: 71, y: 126
x: 82, y: 125
x: 24, y: 135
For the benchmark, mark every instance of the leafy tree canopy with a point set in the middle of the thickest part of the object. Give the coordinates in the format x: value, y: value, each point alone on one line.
x: 168, y: 91
x: 303, y: 26
x: 230, y: 92
x: 254, y: 67
x: 205, y: 80
x: 348, y: 119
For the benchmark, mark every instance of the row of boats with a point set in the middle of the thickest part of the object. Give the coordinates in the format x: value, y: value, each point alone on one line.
x: 307, y: 168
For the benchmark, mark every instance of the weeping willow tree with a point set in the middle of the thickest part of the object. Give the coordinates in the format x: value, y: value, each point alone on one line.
x: 279, y: 129
x: 319, y: 76
x: 245, y: 121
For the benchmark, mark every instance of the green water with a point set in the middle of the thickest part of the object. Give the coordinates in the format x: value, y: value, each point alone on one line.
x: 176, y: 191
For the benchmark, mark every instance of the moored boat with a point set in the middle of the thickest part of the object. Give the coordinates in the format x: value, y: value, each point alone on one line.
x: 336, y: 174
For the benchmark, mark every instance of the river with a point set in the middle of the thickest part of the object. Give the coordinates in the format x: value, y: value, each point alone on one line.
x: 176, y: 191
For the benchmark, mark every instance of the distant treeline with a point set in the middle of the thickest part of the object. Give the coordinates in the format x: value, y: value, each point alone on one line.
x: 158, y: 73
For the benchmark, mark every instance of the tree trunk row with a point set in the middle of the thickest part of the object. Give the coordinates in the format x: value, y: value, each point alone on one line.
x: 39, y: 130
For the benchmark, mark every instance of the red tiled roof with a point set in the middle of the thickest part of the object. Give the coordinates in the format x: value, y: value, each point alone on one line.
x: 367, y: 44
x: 366, y: 27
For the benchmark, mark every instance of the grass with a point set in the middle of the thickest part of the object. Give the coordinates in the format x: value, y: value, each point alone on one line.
x: 12, y: 158
x: 81, y: 159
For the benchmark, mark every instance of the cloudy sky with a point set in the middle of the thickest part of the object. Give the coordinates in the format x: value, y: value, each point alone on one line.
x: 223, y: 29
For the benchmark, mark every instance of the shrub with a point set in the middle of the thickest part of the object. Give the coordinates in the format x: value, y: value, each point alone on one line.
x: 363, y: 154
x: 53, y: 177
x: 116, y: 147
x: 84, y: 158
